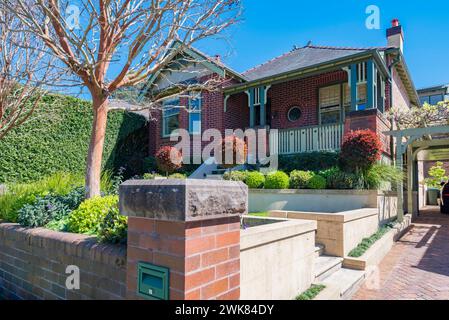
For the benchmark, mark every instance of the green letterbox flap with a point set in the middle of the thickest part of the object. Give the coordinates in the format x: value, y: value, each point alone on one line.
x: 153, y: 281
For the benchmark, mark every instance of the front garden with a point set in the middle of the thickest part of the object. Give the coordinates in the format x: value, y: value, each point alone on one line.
x: 356, y: 167
x: 58, y: 202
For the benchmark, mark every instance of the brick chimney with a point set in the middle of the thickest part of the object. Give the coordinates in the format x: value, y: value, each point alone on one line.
x: 395, y: 35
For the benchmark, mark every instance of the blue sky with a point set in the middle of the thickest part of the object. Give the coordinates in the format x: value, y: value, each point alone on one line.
x: 270, y: 28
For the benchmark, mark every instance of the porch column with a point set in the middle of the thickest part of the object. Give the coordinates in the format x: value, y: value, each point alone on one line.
x: 400, y: 186
x: 370, y: 87
x: 252, y: 111
x: 410, y: 180
x: 263, y: 114
x: 354, y: 87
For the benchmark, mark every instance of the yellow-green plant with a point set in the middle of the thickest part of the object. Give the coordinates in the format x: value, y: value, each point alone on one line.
x: 437, y: 174
x: 90, y: 214
x: 21, y: 194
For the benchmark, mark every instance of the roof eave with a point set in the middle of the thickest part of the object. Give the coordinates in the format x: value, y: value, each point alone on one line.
x: 311, y: 70
x: 412, y: 92
x: 193, y: 52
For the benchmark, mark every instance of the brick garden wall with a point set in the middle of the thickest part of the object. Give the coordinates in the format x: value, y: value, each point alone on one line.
x: 33, y: 264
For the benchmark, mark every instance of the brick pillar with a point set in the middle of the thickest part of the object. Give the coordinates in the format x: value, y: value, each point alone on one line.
x: 191, y: 227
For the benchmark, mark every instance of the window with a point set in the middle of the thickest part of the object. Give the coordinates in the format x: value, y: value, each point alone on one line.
x: 170, y: 116
x: 256, y: 96
x: 424, y: 99
x: 330, y: 104
x: 195, y: 102
x: 361, y: 96
x: 362, y: 75
x: 432, y: 99
x: 436, y: 98
x: 362, y: 71
x: 294, y: 114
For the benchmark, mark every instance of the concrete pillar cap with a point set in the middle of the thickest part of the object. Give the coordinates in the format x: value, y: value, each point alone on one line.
x: 183, y: 200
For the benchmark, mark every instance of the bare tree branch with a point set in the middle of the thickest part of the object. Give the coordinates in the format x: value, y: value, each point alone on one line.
x: 25, y: 72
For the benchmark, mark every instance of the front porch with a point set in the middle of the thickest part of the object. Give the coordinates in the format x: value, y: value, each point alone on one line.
x: 307, y: 139
x: 309, y: 111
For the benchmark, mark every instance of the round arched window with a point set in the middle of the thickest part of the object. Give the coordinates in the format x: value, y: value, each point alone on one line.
x: 294, y: 114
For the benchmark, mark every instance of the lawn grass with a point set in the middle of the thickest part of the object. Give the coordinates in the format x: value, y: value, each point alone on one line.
x: 368, y: 242
x: 260, y: 214
x: 311, y: 293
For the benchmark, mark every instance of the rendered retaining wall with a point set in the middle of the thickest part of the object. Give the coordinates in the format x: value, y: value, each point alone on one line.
x: 338, y: 232
x: 33, y: 265
x: 276, y: 260
x: 328, y: 201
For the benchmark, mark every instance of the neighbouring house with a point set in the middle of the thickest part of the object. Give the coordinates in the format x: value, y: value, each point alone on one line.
x: 433, y: 95
x: 312, y: 95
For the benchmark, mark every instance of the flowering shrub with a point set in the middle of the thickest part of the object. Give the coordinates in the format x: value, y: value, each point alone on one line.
x: 235, y: 146
x: 360, y: 151
x: 168, y: 159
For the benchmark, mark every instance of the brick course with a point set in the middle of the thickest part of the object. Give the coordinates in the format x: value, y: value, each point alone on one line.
x: 33, y: 264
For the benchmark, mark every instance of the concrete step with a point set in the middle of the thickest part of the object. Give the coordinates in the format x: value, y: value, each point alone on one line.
x: 347, y: 280
x: 214, y: 177
x: 219, y: 171
x: 319, y: 250
x: 325, y: 266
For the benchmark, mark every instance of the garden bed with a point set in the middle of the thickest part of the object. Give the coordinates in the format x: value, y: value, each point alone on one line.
x: 58, y: 203
x: 312, y: 292
x: 374, y: 254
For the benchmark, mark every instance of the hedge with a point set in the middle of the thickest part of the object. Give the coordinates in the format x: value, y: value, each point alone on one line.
x: 308, y: 161
x: 56, y: 138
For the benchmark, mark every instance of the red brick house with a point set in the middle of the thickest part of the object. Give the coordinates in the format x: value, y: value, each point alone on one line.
x: 312, y: 95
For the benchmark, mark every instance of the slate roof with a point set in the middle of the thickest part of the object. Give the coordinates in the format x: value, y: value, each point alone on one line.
x: 299, y: 58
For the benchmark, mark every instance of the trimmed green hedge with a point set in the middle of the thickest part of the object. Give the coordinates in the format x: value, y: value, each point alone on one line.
x: 57, y: 139
x: 309, y: 161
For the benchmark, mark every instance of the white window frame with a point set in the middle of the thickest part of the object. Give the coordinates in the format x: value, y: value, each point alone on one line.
x: 328, y: 109
x: 165, y: 116
x: 197, y: 95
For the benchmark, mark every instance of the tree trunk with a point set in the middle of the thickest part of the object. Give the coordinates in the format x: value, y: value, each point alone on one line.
x: 95, y: 154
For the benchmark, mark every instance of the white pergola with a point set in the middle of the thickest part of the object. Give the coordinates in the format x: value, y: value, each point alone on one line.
x: 411, y: 142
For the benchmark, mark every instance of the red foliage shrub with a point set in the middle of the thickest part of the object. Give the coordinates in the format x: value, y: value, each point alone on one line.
x: 168, y: 159
x: 237, y: 147
x: 360, y: 150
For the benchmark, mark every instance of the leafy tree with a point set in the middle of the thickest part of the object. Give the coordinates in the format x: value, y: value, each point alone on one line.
x: 437, y: 174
